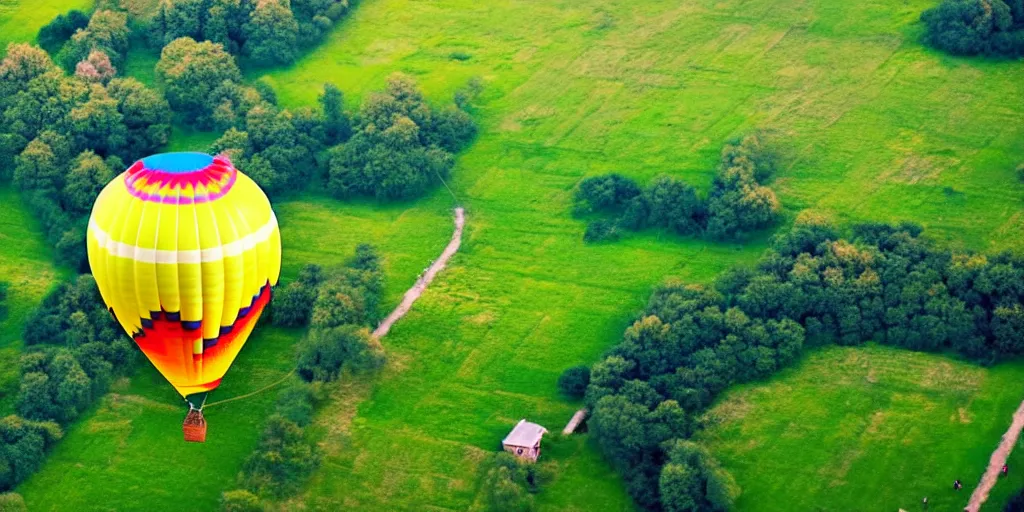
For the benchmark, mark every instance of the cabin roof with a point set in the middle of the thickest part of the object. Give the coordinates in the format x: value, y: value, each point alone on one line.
x: 525, y: 434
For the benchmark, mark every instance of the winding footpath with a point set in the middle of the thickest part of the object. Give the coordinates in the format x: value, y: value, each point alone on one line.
x: 995, y: 464
x: 421, y: 284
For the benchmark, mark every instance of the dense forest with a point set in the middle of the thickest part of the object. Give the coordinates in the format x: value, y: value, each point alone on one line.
x: 814, y: 286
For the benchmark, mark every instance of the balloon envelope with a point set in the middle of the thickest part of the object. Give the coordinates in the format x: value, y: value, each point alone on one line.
x: 185, y: 249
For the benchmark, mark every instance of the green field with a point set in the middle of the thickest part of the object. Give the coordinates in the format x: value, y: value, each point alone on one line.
x: 871, y: 428
x: 873, y: 127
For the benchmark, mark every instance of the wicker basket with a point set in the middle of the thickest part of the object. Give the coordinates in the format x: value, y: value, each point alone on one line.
x: 194, y: 427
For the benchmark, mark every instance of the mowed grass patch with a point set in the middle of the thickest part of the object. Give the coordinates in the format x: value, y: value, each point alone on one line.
x: 870, y: 428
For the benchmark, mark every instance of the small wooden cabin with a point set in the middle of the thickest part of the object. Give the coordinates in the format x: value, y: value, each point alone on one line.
x: 524, y: 440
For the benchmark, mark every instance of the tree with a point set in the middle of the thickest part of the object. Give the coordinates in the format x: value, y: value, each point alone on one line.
x: 107, y: 32
x: 22, y: 63
x: 25, y: 444
x: 88, y: 175
x: 55, y: 33
x: 975, y: 27
x: 96, y: 68
x: 271, y: 33
x: 281, y: 460
x: 12, y: 502
x: 191, y: 71
x: 180, y: 18
x: 337, y: 126
x: 146, y: 116
x: 97, y: 123
x: 573, y: 381
x: 324, y: 351
x: 38, y: 168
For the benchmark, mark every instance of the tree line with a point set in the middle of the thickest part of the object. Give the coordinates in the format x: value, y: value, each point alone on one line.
x: 65, y: 136
x: 74, y: 350
x: 337, y: 305
x: 976, y: 27
x: 737, y: 204
x: 813, y: 286
x: 396, y: 146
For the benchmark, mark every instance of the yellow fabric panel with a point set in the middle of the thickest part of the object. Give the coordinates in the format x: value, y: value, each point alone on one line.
x: 154, y: 247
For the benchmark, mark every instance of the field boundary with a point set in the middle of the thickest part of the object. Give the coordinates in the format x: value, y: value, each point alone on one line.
x: 995, y: 464
x: 424, y: 280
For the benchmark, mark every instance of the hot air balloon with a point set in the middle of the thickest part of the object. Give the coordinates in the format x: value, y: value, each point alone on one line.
x: 185, y: 250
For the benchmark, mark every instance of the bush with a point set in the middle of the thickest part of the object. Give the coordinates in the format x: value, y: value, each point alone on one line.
x: 325, y: 351
x: 573, y: 381
x: 296, y: 401
x: 282, y: 460
x: 240, y: 500
x: 605, y: 193
x: 601, y: 230
x: 23, y: 448
x: 509, y: 483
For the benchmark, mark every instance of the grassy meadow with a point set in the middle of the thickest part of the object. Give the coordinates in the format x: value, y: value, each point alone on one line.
x: 873, y: 127
x: 871, y: 428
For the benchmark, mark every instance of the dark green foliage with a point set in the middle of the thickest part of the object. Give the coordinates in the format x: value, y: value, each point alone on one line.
x: 400, y: 147
x: 3, y: 297
x: 509, y: 484
x: 325, y: 351
x: 54, y: 34
x: 107, y: 32
x: 23, y: 445
x: 976, y: 27
x: 601, y: 230
x: 1016, y: 503
x: 737, y: 204
x: 191, y: 71
x: 78, y: 350
x: 240, y: 500
x: 269, y: 31
x: 573, y: 381
x: 292, y: 304
x: 467, y: 93
x: 336, y: 123
x: 282, y: 460
x: 296, y: 402
x: 65, y: 136
x: 605, y: 193
x: 811, y: 287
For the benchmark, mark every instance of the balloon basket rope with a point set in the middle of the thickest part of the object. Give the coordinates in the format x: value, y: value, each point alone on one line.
x: 194, y: 426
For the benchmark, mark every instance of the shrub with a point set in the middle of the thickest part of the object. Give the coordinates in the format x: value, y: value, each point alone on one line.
x: 240, y: 500
x: 605, y: 193
x: 281, y: 461
x: 509, y: 483
x: 324, y: 352
x: 601, y: 230
x: 1016, y: 503
x: 573, y: 381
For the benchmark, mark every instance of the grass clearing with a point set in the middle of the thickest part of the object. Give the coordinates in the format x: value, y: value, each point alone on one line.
x: 838, y: 431
x: 875, y: 128
x: 20, y: 20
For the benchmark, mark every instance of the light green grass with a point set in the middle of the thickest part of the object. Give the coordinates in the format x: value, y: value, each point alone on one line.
x: 867, y: 429
x: 20, y: 20
x: 26, y: 263
x: 875, y: 128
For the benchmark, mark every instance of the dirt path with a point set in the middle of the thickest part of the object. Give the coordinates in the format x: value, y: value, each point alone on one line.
x: 425, y: 279
x: 995, y: 464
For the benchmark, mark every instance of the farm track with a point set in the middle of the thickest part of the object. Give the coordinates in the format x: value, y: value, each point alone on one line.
x: 995, y: 464
x: 424, y: 280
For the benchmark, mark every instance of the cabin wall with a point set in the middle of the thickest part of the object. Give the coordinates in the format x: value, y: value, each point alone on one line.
x: 524, y: 452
